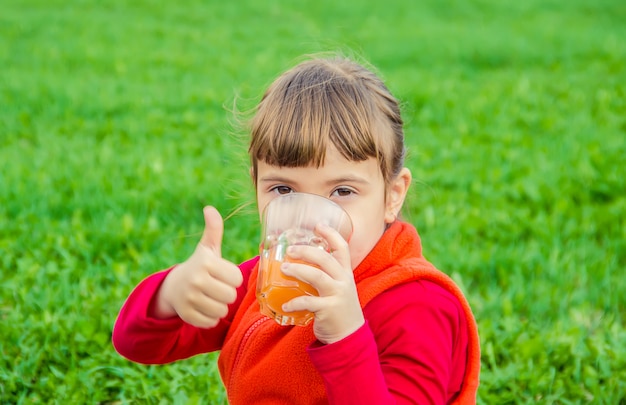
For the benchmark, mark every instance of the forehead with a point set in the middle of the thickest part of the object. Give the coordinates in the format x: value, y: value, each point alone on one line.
x: 334, y: 169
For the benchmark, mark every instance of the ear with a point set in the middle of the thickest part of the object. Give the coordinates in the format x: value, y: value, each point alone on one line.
x: 396, y: 193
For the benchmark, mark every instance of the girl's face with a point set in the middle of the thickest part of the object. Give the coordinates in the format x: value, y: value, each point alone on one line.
x: 358, y: 187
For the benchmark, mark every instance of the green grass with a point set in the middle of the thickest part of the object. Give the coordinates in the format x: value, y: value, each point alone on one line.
x: 116, y: 128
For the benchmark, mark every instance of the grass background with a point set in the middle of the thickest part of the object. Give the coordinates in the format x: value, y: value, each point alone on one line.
x: 116, y: 128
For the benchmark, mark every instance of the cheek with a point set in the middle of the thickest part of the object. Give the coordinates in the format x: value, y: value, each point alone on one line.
x: 368, y: 220
x: 360, y: 246
x: 262, y: 199
x: 363, y: 240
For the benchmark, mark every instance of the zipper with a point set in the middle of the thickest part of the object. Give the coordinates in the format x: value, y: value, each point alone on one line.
x: 240, y: 350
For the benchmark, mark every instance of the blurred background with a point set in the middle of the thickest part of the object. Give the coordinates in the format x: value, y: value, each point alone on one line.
x: 119, y: 122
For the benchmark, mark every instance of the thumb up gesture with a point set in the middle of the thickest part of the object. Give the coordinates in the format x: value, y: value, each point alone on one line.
x: 200, y: 289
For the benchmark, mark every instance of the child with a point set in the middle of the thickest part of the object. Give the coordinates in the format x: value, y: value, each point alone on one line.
x: 388, y: 327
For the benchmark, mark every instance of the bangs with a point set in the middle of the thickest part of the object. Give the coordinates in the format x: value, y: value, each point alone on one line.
x: 304, y: 113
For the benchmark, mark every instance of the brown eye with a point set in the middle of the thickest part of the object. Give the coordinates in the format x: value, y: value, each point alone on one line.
x: 342, y: 192
x: 282, y: 189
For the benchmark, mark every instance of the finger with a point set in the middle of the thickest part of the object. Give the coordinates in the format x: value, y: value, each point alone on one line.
x: 304, y: 303
x: 226, y: 272
x: 325, y: 261
x: 211, y: 269
x: 200, y: 304
x: 218, y: 290
x: 314, y: 276
x: 200, y: 320
x: 337, y: 244
x: 213, y: 230
x: 212, y: 235
x: 212, y: 308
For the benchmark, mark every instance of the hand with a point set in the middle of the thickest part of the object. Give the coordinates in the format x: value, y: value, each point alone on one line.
x: 200, y: 289
x: 337, y: 309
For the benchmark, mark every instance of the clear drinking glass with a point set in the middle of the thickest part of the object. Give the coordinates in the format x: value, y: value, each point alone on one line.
x: 288, y: 220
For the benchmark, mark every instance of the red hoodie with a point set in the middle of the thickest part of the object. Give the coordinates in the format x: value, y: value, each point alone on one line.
x: 419, y: 343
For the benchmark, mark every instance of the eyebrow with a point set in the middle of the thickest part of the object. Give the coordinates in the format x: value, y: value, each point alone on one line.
x: 345, y: 179
x: 274, y: 178
x: 348, y: 179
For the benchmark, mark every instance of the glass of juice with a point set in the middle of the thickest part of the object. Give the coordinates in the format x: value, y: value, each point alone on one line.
x: 290, y: 219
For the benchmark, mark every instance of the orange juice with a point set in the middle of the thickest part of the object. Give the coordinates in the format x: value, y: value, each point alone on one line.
x: 275, y: 289
x: 289, y: 220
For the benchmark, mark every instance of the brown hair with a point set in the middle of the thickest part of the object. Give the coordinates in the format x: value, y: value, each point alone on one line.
x: 322, y: 102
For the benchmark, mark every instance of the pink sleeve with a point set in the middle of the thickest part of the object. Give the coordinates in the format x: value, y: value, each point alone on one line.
x: 144, y: 339
x: 413, y: 353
